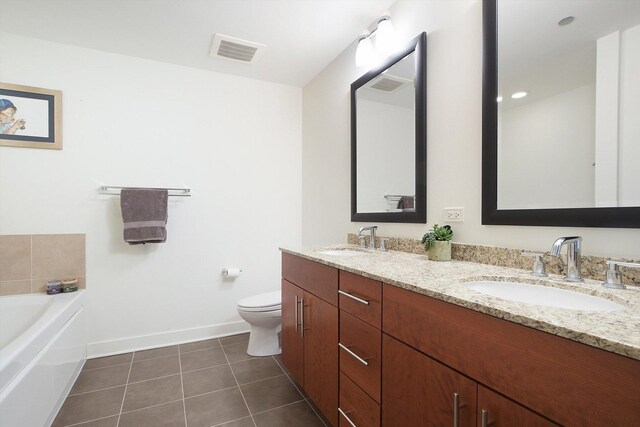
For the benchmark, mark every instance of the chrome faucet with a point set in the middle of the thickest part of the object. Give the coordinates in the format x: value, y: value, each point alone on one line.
x: 574, y: 244
x: 372, y: 229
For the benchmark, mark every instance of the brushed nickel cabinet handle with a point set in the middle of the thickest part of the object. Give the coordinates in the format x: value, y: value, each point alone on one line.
x: 358, y: 358
x: 302, y: 316
x: 485, y: 416
x: 344, y: 414
x: 455, y: 409
x: 295, y: 313
x: 353, y: 297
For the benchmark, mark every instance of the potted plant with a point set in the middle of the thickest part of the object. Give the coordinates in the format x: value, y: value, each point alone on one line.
x: 437, y: 243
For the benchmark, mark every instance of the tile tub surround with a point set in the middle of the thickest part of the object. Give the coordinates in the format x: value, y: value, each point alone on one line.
x: 205, y: 383
x: 593, y: 267
x: 617, y: 332
x: 28, y: 262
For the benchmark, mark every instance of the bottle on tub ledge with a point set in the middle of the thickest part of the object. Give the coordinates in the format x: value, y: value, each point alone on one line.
x: 55, y: 287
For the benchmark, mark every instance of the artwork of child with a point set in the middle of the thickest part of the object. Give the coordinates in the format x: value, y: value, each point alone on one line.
x: 8, y: 124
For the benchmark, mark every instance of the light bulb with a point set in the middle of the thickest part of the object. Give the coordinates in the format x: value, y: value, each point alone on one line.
x: 518, y: 95
x: 385, y: 37
x: 364, y: 53
x: 499, y: 99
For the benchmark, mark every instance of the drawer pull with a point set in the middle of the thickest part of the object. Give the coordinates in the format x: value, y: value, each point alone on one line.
x: 485, y: 415
x: 455, y: 409
x: 344, y: 414
x: 302, y: 316
x: 358, y: 358
x: 353, y: 297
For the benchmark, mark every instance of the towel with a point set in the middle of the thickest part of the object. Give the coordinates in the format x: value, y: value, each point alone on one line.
x: 406, y: 203
x: 144, y: 214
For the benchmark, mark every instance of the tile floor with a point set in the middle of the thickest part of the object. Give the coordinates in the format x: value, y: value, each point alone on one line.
x: 200, y: 384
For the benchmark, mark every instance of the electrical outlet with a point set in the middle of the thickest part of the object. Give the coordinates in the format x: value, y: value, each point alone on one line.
x: 454, y: 214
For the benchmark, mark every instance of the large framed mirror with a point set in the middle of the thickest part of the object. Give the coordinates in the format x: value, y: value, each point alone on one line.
x: 389, y: 139
x: 561, y: 135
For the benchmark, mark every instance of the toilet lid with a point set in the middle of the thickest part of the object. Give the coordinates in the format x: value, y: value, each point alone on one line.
x: 268, y: 300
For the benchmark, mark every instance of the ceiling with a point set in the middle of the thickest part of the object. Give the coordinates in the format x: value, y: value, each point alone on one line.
x: 539, y: 56
x: 302, y: 36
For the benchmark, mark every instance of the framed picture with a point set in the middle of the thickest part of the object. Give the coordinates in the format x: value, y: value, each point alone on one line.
x: 30, y: 117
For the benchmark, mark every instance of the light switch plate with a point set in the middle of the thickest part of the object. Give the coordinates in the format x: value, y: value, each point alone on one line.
x: 454, y: 214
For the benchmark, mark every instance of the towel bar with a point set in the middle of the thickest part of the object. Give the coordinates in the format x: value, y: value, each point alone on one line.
x: 111, y: 190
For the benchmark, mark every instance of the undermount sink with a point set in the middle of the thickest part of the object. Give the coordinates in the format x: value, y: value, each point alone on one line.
x: 341, y: 252
x: 543, y: 295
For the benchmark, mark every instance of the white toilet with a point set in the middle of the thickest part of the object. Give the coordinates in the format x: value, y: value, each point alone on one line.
x: 264, y: 313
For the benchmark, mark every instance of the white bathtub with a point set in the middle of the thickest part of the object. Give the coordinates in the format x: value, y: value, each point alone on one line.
x: 42, y: 349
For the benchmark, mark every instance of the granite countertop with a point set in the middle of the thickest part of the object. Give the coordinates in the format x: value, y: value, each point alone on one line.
x: 617, y: 332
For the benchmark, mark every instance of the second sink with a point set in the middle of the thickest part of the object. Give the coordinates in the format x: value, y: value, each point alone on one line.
x: 543, y: 295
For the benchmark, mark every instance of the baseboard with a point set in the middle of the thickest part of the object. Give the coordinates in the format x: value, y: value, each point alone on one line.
x: 143, y: 342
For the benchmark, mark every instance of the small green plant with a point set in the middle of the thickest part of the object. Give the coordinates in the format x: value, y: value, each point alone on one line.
x: 437, y: 234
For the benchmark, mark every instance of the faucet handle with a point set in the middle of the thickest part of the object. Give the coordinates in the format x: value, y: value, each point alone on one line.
x: 614, y: 278
x: 363, y: 241
x: 383, y: 243
x: 538, y: 264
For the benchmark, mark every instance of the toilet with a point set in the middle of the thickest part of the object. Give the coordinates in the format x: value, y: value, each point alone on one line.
x: 264, y: 313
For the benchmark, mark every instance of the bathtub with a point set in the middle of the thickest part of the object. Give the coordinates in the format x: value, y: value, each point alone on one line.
x: 42, y: 350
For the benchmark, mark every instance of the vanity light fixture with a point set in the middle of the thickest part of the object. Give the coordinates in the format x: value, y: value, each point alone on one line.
x: 518, y: 95
x: 366, y: 55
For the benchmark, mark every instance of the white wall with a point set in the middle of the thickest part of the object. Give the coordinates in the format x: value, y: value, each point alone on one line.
x: 386, y: 154
x: 454, y: 143
x: 538, y: 142
x: 235, y: 142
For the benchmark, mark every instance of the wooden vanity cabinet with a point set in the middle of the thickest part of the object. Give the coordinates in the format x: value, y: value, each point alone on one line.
x: 310, y: 330
x: 497, y: 411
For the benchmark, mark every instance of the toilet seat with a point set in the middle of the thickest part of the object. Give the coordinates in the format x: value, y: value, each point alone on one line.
x: 268, y: 301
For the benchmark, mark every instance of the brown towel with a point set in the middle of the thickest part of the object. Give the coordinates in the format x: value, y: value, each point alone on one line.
x: 406, y: 203
x: 144, y: 214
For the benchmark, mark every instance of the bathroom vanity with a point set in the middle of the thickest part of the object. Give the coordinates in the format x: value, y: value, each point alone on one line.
x: 390, y: 338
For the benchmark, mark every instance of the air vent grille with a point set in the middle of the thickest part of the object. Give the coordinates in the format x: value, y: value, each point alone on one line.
x: 235, y: 49
x: 388, y: 83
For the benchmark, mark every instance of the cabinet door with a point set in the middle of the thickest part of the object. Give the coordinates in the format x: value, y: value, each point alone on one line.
x: 497, y: 411
x: 292, y: 340
x: 418, y: 391
x: 321, y: 355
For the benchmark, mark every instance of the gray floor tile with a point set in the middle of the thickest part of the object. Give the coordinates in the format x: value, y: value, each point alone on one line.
x: 90, y: 406
x: 98, y: 379
x: 104, y: 422
x: 154, y: 368
x: 256, y: 369
x: 155, y: 352
x: 200, y: 345
x: 269, y: 394
x: 207, y: 380
x: 215, y: 408
x: 167, y: 415
x: 243, y: 422
x: 233, y: 339
x: 237, y: 352
x: 202, y: 359
x: 152, y: 392
x: 297, y: 414
x: 102, y: 362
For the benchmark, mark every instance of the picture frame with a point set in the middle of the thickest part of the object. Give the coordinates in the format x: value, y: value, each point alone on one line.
x: 30, y: 117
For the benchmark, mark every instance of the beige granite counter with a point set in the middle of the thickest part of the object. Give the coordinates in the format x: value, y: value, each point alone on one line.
x: 617, y: 332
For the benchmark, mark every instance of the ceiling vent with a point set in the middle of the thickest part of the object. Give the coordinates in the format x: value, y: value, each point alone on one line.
x: 226, y: 47
x: 389, y: 83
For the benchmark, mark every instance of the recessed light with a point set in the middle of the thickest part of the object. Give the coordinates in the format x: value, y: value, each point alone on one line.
x: 566, y: 21
x: 499, y: 99
x: 519, y: 95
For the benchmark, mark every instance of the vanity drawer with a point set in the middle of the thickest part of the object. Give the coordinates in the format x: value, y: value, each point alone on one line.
x: 318, y: 279
x: 360, y: 353
x: 361, y: 297
x: 355, y: 404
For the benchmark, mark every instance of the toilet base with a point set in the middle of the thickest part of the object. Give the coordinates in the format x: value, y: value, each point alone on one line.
x: 264, y: 341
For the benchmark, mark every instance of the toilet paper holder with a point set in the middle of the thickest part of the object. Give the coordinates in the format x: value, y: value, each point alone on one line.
x: 231, y: 272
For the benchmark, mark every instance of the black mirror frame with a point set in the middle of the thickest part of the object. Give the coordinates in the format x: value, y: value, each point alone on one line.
x: 419, y: 46
x: 625, y: 217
